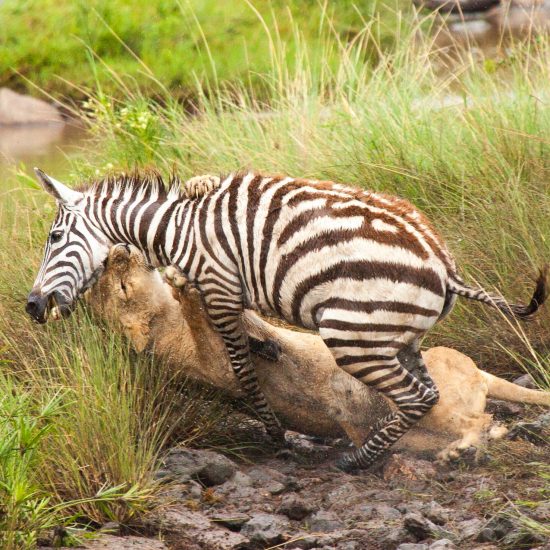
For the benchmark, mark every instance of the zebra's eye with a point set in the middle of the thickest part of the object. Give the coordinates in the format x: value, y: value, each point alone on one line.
x: 56, y: 236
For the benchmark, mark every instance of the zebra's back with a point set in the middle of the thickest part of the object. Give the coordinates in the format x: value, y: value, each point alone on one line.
x: 302, y: 247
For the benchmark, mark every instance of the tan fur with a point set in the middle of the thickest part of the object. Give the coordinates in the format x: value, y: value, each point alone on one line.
x: 198, y: 186
x: 305, y: 387
x: 464, y: 389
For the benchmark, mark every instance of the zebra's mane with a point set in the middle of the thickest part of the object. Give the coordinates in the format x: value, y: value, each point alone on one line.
x: 143, y: 183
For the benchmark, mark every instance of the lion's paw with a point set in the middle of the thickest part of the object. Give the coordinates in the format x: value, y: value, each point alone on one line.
x: 175, y: 278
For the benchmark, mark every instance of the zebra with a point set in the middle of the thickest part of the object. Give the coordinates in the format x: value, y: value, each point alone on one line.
x: 364, y: 269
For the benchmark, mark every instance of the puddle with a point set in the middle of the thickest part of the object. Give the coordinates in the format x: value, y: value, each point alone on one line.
x: 48, y: 145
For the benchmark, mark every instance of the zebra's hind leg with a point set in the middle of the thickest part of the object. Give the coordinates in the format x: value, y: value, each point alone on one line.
x: 410, y: 357
x: 372, y: 359
x: 413, y: 400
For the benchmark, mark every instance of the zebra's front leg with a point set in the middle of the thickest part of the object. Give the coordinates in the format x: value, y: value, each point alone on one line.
x: 191, y: 300
x: 237, y: 345
x: 227, y: 321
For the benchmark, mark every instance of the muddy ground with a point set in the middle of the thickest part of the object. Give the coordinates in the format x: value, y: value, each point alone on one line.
x: 259, y: 498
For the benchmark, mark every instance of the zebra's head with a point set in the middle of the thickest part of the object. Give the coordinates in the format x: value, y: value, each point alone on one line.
x: 74, y: 255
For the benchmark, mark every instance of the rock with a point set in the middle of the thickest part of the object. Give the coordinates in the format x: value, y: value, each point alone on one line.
x: 503, y: 409
x: 306, y: 541
x: 241, y: 479
x: 393, y: 536
x: 196, y: 527
x: 419, y: 526
x: 208, y: 467
x: 526, y: 381
x: 410, y: 506
x: 422, y: 528
x: 370, y: 511
x: 295, y: 507
x: 485, y: 535
x: 235, y: 492
x: 412, y: 546
x: 399, y: 465
x: 443, y: 544
x: 385, y: 512
x: 541, y: 512
x: 337, y: 539
x: 182, y: 492
x: 263, y: 476
x: 276, y: 488
x: 109, y: 542
x: 350, y: 545
x: 521, y: 537
x: 346, y: 494
x: 436, y: 513
x: 266, y: 529
x: 495, y: 529
x: 325, y: 522
x: 234, y: 522
x: 22, y: 109
x: 534, y: 431
x: 509, y: 532
x: 469, y: 529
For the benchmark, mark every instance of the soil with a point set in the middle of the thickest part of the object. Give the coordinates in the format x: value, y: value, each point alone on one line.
x: 259, y: 498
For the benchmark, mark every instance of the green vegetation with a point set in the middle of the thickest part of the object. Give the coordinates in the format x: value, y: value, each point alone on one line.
x: 83, y: 420
x: 50, y: 43
x: 464, y: 138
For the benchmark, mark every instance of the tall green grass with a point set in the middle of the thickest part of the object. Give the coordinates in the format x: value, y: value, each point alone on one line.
x: 83, y: 420
x: 462, y: 135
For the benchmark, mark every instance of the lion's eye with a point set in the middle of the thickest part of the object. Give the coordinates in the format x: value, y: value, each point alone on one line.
x: 123, y: 290
x: 55, y: 236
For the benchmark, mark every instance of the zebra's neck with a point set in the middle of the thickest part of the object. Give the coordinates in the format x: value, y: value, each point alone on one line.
x: 161, y: 228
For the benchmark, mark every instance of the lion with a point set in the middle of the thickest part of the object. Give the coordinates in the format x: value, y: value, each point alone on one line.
x: 302, y: 382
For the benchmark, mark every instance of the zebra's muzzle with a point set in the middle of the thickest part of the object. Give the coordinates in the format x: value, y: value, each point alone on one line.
x: 39, y: 306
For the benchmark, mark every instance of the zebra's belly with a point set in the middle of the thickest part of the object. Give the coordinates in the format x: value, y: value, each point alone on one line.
x: 379, y: 301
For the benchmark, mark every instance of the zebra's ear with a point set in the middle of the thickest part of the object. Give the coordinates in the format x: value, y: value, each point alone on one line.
x: 60, y: 191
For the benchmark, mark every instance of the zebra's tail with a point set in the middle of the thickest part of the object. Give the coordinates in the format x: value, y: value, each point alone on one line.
x: 516, y: 311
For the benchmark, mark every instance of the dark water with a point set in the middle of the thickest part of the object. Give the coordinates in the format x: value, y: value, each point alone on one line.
x: 494, y: 29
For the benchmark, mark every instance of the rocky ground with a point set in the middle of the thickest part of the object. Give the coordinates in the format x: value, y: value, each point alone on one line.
x: 298, y: 500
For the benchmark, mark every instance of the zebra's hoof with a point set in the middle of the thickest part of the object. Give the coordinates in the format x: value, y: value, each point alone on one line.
x: 344, y: 464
